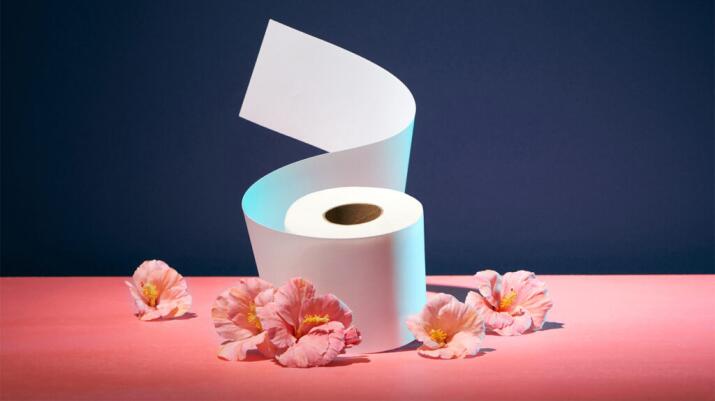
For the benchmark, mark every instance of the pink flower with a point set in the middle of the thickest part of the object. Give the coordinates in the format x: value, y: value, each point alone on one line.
x: 236, y: 321
x: 305, y: 329
x: 447, y: 328
x: 158, y: 291
x: 511, y: 305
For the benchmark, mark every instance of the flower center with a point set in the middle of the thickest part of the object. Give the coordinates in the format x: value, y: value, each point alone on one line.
x: 150, y: 293
x: 507, y: 300
x: 439, y: 336
x: 252, y: 318
x: 316, y: 319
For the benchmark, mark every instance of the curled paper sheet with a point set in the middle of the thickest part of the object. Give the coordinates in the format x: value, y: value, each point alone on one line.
x: 320, y: 94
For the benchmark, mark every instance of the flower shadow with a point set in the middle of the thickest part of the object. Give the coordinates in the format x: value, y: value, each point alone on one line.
x: 484, y: 351
x: 338, y: 362
x: 412, y: 346
x: 185, y: 316
x: 348, y: 360
x: 458, y: 292
x: 552, y: 326
x: 407, y: 347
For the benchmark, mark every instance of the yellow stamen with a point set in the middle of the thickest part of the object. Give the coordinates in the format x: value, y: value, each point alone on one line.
x: 150, y: 293
x: 439, y: 336
x: 252, y: 317
x: 315, y: 319
x: 507, y: 300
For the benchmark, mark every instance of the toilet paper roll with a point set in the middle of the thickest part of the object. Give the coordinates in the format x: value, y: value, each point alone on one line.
x: 368, y: 248
x: 362, y: 116
x: 352, y: 212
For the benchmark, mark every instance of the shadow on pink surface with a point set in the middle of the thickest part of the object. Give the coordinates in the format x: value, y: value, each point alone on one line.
x: 185, y: 316
x: 416, y: 344
x: 343, y: 360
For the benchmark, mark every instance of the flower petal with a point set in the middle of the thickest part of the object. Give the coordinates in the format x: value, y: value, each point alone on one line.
x: 418, y: 327
x: 223, y: 311
x: 139, y: 304
x: 352, y: 336
x: 319, y: 347
x: 264, y: 297
x: 323, y: 305
x: 428, y: 318
x: 290, y: 298
x: 466, y: 343
x: 521, y: 322
x: 488, y: 283
x: 502, y: 323
x: 236, y: 350
x: 463, y: 344
x: 532, y: 295
x: 280, y: 333
x: 456, y: 316
x: 150, y: 314
x: 266, y: 347
x: 436, y: 353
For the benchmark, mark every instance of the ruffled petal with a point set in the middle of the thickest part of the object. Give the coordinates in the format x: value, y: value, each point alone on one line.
x: 265, y: 296
x: 139, y: 304
x: 428, y: 318
x: 456, y: 316
x: 488, y: 283
x: 236, y: 350
x: 532, y: 295
x: 497, y: 320
x: 223, y: 311
x: 466, y: 343
x: 280, y: 333
x: 436, y: 353
x: 325, y: 305
x: 319, y: 347
x: 150, y: 314
x: 462, y: 345
x: 290, y: 298
x: 520, y: 323
x: 266, y: 347
x: 418, y: 328
x: 352, y: 336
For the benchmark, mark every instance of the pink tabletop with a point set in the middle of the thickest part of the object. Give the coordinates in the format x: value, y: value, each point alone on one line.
x: 607, y: 338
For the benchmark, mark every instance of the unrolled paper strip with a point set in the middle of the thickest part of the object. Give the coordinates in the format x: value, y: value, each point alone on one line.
x: 362, y: 116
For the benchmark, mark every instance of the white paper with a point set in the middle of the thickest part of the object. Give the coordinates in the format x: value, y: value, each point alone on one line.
x: 363, y: 116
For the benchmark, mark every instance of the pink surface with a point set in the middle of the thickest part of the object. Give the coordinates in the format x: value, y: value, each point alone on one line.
x: 623, y: 337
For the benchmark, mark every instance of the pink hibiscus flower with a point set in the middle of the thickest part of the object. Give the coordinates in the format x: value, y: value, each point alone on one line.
x: 447, y: 328
x: 512, y: 304
x: 305, y: 329
x: 158, y: 291
x: 234, y: 316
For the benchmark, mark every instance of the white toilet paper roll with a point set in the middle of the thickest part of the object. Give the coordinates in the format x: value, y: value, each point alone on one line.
x: 368, y: 249
x: 362, y: 116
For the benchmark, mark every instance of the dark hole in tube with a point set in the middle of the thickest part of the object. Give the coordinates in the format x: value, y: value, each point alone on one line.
x: 353, y: 213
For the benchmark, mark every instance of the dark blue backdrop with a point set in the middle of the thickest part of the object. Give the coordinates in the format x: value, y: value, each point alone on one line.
x: 566, y: 137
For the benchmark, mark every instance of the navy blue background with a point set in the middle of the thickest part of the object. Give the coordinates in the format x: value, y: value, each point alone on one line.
x: 564, y: 137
